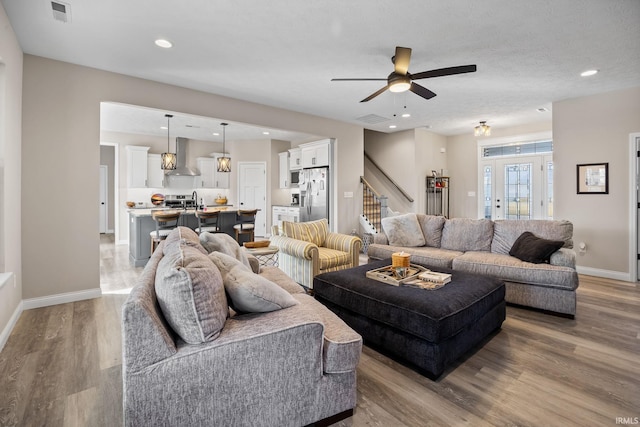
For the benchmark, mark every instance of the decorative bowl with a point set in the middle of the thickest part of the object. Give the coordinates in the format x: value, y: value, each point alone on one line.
x: 131, y: 204
x: 257, y: 244
x: 157, y: 199
x: 221, y: 200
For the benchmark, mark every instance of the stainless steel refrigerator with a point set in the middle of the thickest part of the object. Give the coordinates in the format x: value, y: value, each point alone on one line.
x: 314, y: 194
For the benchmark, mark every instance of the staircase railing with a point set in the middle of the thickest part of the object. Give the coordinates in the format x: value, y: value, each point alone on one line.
x: 386, y: 175
x: 374, y: 207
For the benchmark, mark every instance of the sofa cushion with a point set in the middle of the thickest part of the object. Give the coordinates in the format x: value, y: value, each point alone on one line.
x: 531, y: 248
x: 249, y: 292
x: 505, y: 232
x: 191, y: 295
x: 464, y: 234
x: 330, y: 258
x: 403, y: 230
x: 431, y: 226
x: 281, y: 279
x: 311, y: 231
x: 182, y: 236
x: 434, y: 257
x: 511, y: 269
x: 222, y: 242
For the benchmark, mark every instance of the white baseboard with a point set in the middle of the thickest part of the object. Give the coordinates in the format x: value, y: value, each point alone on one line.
x: 607, y: 274
x: 4, y: 336
x: 61, y: 298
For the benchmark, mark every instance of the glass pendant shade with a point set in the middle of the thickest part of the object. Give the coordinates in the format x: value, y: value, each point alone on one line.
x: 482, y: 129
x: 168, y: 158
x: 224, y: 162
x: 168, y: 161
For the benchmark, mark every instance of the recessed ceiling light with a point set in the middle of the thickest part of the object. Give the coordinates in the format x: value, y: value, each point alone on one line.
x: 163, y: 127
x: 589, y: 73
x: 405, y: 115
x: 216, y: 134
x: 542, y: 110
x: 392, y: 126
x: 265, y: 133
x: 164, y: 43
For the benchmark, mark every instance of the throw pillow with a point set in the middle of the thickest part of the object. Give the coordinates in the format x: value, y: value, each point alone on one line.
x: 249, y: 292
x: 403, y: 230
x: 191, y: 295
x: 311, y: 231
x: 530, y: 248
x: 221, y: 242
x: 182, y: 236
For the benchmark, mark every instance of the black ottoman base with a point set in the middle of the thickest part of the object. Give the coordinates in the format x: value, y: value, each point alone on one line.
x: 430, y: 359
x: 429, y: 330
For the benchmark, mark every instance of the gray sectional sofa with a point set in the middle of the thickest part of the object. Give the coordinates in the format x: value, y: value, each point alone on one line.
x: 482, y: 246
x: 190, y: 360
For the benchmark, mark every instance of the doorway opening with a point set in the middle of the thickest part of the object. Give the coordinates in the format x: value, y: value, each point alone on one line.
x: 516, y: 178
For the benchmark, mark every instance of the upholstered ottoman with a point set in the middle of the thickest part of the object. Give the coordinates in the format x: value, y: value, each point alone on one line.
x: 427, y: 329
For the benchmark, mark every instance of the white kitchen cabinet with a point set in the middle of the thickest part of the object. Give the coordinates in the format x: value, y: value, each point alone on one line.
x: 155, y: 173
x: 284, y: 213
x: 209, y: 175
x: 283, y: 179
x: 137, y: 166
x: 207, y: 167
x: 295, y: 161
x: 315, y: 154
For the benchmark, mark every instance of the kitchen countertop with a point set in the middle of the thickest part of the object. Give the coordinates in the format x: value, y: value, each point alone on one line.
x: 287, y: 206
x: 190, y: 211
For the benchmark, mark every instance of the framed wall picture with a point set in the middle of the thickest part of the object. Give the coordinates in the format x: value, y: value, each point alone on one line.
x: 593, y: 178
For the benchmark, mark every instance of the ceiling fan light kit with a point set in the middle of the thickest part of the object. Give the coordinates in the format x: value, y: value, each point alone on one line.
x: 400, y: 80
x: 483, y: 129
x: 168, y: 158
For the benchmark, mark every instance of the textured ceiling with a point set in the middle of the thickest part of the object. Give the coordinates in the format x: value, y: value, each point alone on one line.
x: 284, y: 53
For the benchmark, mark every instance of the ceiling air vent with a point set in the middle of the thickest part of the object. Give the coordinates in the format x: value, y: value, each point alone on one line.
x: 61, y: 11
x: 372, y: 119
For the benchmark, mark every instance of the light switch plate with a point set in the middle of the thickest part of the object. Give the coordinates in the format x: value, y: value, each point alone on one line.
x: 348, y: 194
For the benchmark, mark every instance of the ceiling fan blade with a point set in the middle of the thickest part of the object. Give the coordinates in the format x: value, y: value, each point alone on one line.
x: 401, y: 60
x: 444, y: 72
x: 421, y: 91
x: 353, y: 80
x: 373, y: 95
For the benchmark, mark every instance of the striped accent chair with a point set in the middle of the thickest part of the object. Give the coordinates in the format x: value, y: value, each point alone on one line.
x: 309, y: 248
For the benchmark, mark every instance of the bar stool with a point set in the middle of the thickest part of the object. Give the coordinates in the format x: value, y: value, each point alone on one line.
x: 165, y: 222
x: 245, y: 223
x: 208, y: 221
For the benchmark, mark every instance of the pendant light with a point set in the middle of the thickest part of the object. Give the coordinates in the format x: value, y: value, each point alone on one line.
x: 168, y: 158
x: 224, y: 162
x: 483, y: 129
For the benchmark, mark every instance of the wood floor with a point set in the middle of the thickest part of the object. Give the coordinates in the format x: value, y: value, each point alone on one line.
x: 61, y: 366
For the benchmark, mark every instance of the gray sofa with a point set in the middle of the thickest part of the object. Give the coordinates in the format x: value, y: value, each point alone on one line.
x: 482, y: 246
x: 280, y: 367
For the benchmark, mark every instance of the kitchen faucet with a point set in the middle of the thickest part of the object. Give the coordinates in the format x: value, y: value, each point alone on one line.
x: 194, y: 196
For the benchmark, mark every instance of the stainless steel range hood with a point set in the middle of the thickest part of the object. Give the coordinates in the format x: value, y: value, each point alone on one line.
x: 181, y: 160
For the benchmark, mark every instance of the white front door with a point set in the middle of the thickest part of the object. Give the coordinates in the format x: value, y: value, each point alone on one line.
x: 252, y: 190
x: 104, y: 185
x: 517, y: 188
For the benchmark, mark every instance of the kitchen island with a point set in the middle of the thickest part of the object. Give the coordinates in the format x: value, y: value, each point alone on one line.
x: 141, y: 224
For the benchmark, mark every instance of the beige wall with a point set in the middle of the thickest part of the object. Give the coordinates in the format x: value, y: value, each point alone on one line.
x: 463, y: 165
x: 11, y: 66
x: 61, y: 129
x: 596, y: 129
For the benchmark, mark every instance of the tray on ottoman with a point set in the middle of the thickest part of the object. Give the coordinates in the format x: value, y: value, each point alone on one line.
x: 427, y: 329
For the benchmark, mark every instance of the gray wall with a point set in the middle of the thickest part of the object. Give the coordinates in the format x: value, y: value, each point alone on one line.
x: 62, y: 122
x: 11, y: 62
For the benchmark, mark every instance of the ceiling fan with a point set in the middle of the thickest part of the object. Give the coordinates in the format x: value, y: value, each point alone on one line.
x: 400, y: 80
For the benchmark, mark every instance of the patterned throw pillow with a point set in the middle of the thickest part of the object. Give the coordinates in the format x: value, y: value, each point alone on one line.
x: 403, y: 230
x: 312, y: 231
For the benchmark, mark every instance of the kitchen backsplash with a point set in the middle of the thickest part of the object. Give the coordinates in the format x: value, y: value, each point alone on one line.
x: 143, y: 195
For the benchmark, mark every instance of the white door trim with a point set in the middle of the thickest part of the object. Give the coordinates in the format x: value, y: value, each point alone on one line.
x: 634, y: 173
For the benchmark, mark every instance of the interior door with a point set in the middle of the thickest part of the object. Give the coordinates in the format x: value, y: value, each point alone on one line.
x: 104, y: 186
x: 252, y: 188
